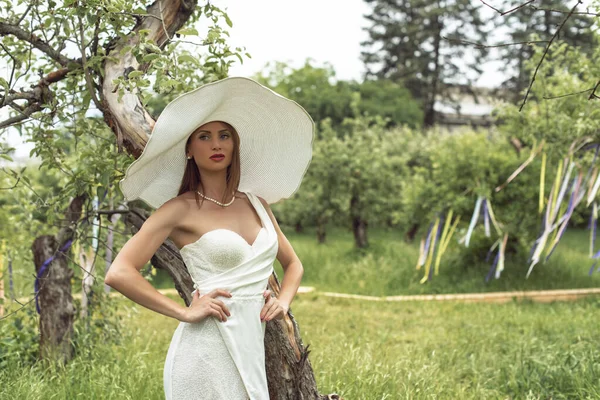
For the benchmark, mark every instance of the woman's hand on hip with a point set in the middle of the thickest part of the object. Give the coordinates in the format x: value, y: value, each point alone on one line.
x: 273, y: 308
x: 203, y: 306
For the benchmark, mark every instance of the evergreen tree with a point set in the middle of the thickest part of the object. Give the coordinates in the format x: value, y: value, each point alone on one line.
x: 406, y: 43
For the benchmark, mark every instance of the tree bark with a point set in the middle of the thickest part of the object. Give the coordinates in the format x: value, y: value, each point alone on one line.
x: 321, y: 232
x: 128, y: 118
x: 359, y: 225
x: 54, y: 297
x: 86, y: 260
x: 108, y: 259
x: 289, y: 372
x: 517, y: 144
x: 410, y: 234
x: 430, y: 114
x: 2, y: 297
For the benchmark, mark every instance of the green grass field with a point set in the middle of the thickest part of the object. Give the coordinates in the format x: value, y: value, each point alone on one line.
x: 369, y: 350
x: 374, y: 350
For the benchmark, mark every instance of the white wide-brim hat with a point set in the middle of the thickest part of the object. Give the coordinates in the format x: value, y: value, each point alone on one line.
x: 276, y: 137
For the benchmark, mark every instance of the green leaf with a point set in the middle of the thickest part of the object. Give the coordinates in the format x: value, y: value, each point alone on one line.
x: 135, y: 74
x: 188, y: 32
x: 86, y: 100
x: 150, y: 57
x: 73, y: 66
x: 100, y: 192
x: 228, y: 20
x: 147, y: 97
x: 239, y: 58
x: 186, y: 58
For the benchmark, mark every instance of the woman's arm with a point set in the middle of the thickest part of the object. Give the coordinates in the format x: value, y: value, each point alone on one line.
x: 124, y: 273
x: 292, y: 273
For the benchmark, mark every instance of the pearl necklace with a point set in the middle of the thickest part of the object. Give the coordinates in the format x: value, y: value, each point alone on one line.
x: 215, y: 201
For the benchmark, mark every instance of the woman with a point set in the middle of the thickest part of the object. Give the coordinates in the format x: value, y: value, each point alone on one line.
x: 216, y: 158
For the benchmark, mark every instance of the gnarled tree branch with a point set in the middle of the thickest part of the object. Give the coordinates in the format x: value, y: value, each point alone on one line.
x: 20, y: 33
x: 35, y: 97
x: 128, y: 118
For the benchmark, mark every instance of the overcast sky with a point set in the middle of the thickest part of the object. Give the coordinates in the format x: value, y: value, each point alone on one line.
x: 291, y: 31
x: 325, y: 30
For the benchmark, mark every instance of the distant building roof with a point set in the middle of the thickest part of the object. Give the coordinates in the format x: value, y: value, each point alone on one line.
x: 474, y: 105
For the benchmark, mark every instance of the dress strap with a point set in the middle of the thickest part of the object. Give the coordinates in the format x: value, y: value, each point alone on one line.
x: 262, y: 212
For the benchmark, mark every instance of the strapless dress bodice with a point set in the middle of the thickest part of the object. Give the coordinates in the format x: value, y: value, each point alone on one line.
x: 219, y: 250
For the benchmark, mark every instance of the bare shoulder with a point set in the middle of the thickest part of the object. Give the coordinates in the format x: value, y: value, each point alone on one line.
x: 140, y: 248
x: 171, y: 212
x: 179, y: 203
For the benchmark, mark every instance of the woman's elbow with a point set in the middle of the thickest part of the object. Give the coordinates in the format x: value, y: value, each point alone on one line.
x: 300, y: 268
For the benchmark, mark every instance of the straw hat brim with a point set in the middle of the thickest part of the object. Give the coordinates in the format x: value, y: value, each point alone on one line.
x: 276, y: 138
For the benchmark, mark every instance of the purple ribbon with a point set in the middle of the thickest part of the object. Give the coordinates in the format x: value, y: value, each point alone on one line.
x: 592, y: 269
x: 493, y: 268
x: 43, y: 269
x: 486, y: 217
x: 46, y: 263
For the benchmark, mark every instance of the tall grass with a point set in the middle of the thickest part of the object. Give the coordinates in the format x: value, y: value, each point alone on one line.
x: 369, y: 350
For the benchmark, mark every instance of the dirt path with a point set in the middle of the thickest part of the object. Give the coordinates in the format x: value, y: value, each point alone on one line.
x: 543, y: 296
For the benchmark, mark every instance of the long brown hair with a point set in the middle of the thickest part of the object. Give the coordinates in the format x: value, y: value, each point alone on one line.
x: 193, y: 181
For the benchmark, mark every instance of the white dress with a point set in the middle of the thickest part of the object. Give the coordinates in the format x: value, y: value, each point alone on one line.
x: 225, y: 360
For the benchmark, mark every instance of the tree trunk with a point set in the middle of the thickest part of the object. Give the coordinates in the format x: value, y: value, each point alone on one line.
x: 128, y: 118
x: 86, y: 260
x: 298, y: 228
x: 289, y: 372
x: 87, y: 256
x: 2, y: 297
x: 410, y: 235
x: 430, y: 114
x: 114, y: 219
x: 359, y: 225
x: 54, y: 295
x: 321, y: 232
